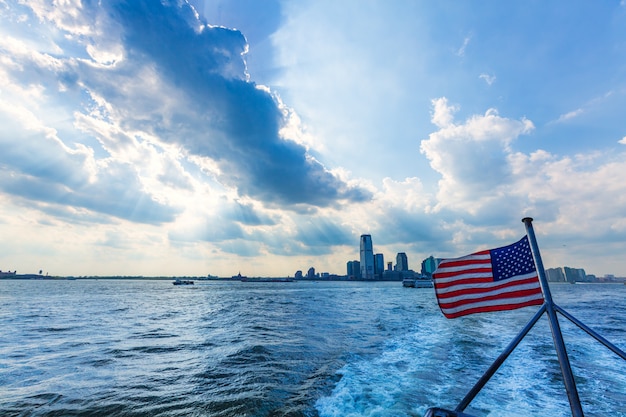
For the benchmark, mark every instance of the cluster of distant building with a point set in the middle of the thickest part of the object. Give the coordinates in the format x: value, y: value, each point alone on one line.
x: 371, y: 267
x: 15, y: 275
x: 573, y: 275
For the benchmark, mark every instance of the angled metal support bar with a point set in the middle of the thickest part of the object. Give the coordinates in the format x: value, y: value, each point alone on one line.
x: 557, y: 336
x: 499, y: 361
x: 592, y: 333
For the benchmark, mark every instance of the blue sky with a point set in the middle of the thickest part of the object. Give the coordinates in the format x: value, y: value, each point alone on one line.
x: 211, y: 137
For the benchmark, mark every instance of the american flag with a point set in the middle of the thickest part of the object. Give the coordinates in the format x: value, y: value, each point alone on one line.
x: 491, y: 280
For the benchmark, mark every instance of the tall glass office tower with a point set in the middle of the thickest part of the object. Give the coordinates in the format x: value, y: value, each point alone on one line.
x: 367, y: 257
x: 402, y: 263
x: 379, y: 265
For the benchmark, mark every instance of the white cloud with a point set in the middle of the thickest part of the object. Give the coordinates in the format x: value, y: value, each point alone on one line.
x: 105, y: 57
x: 489, y: 79
x: 461, y: 50
x: 622, y: 141
x: 69, y: 15
x: 442, y: 114
x: 569, y: 116
x: 471, y: 157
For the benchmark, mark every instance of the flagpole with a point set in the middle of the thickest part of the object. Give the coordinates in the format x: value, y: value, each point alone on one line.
x: 559, y: 344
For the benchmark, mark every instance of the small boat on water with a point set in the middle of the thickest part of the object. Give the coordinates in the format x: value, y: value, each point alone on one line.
x: 417, y: 283
x: 179, y: 281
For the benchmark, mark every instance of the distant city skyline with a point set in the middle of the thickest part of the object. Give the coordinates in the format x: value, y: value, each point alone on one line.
x: 366, y: 251
x: 354, y: 269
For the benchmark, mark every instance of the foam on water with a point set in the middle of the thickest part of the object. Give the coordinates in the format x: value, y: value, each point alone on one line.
x: 438, y: 361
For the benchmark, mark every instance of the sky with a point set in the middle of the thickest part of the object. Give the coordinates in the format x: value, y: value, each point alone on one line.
x: 172, y: 137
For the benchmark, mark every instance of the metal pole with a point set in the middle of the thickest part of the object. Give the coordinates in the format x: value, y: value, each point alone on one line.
x: 557, y: 337
x: 499, y: 361
x: 593, y: 334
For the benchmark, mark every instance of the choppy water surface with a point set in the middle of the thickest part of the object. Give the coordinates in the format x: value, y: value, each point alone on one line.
x: 148, y: 348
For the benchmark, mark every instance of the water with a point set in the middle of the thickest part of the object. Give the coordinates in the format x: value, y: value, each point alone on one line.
x: 148, y: 348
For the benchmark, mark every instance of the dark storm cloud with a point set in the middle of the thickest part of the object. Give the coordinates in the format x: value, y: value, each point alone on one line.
x: 127, y: 79
x: 228, y: 119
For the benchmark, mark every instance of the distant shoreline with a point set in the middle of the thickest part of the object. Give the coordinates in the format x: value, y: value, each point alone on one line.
x: 171, y: 278
x: 36, y: 277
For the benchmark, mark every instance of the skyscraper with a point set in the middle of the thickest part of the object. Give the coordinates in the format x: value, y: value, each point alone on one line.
x: 402, y: 263
x: 429, y: 265
x: 354, y: 269
x: 379, y: 265
x: 367, y: 257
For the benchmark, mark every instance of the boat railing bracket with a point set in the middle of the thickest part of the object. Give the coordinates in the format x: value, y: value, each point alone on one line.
x: 441, y: 412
